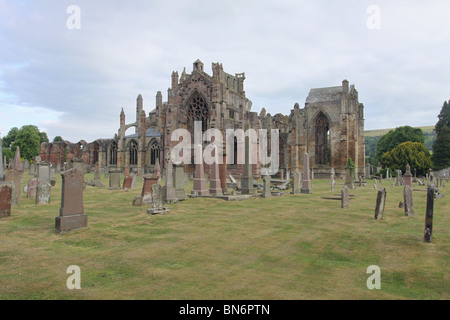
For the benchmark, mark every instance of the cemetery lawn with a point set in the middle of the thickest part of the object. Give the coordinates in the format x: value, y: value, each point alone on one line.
x: 288, y: 247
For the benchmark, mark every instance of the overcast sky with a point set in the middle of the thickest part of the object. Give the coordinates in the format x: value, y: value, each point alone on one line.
x: 74, y: 82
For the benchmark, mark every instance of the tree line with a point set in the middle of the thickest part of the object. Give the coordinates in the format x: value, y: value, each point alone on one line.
x: 407, y: 145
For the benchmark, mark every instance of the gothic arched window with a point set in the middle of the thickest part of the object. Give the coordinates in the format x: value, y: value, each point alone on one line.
x: 321, y: 128
x: 133, y: 153
x: 154, y: 153
x: 113, y: 153
x: 198, y: 111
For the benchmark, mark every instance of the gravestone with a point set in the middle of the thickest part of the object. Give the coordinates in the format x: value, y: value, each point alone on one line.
x: 312, y: 174
x: 157, y: 201
x: 52, y: 176
x: 332, y: 182
x: 360, y: 181
x: 215, y: 186
x: 408, y: 201
x: 179, y: 182
x: 267, y: 193
x: 247, y: 175
x: 114, y: 179
x: 5, y: 199
x: 146, y: 195
x: 58, y: 167
x: 71, y: 215
x: 17, y: 163
x: 397, y: 179
x: 200, y: 188
x: 127, y: 183
x: 375, y: 184
x: 345, y: 197
x: 296, y: 183
x: 428, y: 234
x: 44, y: 172
x: 26, y: 165
x: 407, y: 177
x: 32, y: 171
x: 381, y: 202
x: 169, y: 194
x: 43, y: 193
x: 349, y: 179
x: 133, y: 180
x: 126, y: 171
x: 32, y: 187
x: 97, y: 174
x: 78, y: 165
x: 306, y: 183
x: 15, y: 176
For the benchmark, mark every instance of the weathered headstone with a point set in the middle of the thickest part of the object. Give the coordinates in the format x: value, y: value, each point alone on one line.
x: 179, y: 182
x: 306, y: 183
x: 52, y: 176
x: 44, y: 172
x: 71, y: 216
x: 407, y: 177
x: 146, y: 195
x: 215, y: 186
x: 157, y: 201
x: 296, y: 183
x: 200, y: 188
x: 15, y: 176
x: 408, y: 201
x: 5, y: 199
x: 375, y: 184
x: 349, y: 179
x: 26, y: 165
x: 169, y: 194
x: 133, y: 180
x: 428, y: 234
x: 43, y: 193
x: 114, y: 179
x: 332, y: 182
x: 381, y: 202
x: 32, y: 171
x: 345, y: 197
x: 127, y: 183
x: 267, y: 192
x: 247, y: 174
x: 126, y: 171
x: 32, y: 187
x: 17, y: 162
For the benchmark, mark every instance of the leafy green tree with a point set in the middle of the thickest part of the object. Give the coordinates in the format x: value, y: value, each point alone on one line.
x: 28, y: 139
x: 351, y: 165
x: 57, y: 139
x: 441, y: 147
x: 397, y: 136
x: 10, y: 137
x: 413, y: 153
x: 43, y: 137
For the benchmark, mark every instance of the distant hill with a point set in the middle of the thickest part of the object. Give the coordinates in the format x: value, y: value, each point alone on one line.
x: 371, y: 138
x: 381, y: 132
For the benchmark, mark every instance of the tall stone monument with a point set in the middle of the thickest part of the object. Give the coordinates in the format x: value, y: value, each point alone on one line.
x: 428, y: 234
x: 215, y: 187
x: 5, y: 199
x: 306, y: 183
x: 179, y: 182
x: 169, y: 194
x: 381, y: 202
x: 247, y: 174
x: 408, y: 201
x: 407, y: 177
x: 200, y: 188
x: 345, y: 197
x: 72, y: 210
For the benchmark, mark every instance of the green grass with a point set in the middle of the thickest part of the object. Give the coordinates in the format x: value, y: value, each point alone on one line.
x: 289, y: 247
